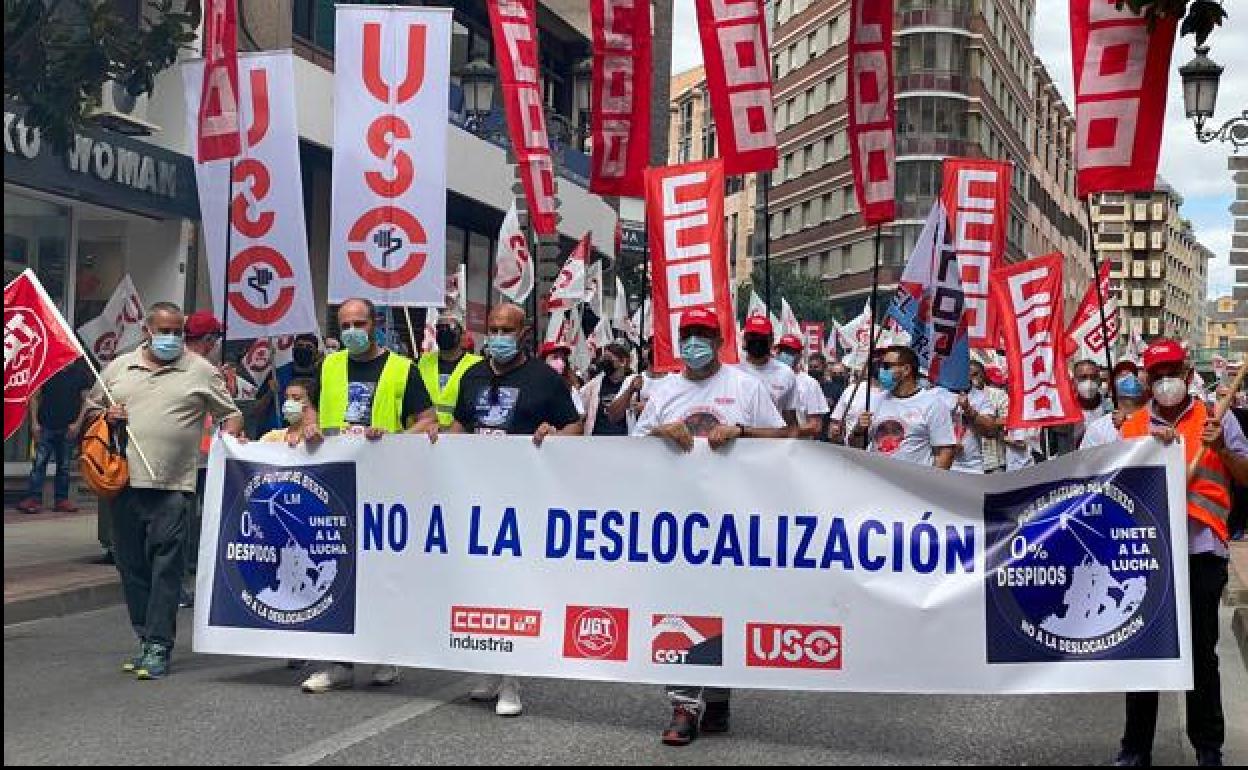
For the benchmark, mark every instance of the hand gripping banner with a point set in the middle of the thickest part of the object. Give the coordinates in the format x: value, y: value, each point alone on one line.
x: 620, y: 118
x: 872, y: 136
x: 391, y: 84
x: 976, y: 194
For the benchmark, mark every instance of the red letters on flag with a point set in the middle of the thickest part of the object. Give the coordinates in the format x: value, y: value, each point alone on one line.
x: 620, y: 118
x: 37, y: 344
x: 738, y: 78
x: 1030, y: 297
x: 976, y: 194
x: 218, y: 97
x: 872, y: 139
x: 1121, y: 63
x: 688, y: 263
x: 514, y: 25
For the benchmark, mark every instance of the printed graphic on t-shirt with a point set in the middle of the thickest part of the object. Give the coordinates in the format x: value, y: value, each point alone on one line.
x: 495, y: 408
x: 360, y: 402
x: 888, y: 436
x: 701, y: 422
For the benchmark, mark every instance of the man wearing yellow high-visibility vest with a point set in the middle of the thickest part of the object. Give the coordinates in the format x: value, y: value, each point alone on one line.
x: 442, y: 370
x: 364, y: 388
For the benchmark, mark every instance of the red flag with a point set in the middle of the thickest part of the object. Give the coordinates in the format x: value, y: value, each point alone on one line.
x: 514, y: 26
x: 1085, y: 335
x: 976, y: 194
x: 620, y: 117
x: 688, y: 263
x: 738, y: 78
x: 813, y: 331
x: 1121, y: 63
x: 37, y: 344
x: 872, y: 137
x: 1030, y: 297
x: 219, y: 136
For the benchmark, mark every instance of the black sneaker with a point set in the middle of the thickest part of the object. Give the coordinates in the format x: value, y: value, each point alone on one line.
x: 155, y: 663
x: 1209, y: 757
x: 684, y: 726
x: 715, y: 718
x: 105, y: 558
x: 1131, y: 759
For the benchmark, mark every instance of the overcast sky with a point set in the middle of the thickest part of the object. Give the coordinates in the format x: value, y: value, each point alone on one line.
x: 1197, y: 171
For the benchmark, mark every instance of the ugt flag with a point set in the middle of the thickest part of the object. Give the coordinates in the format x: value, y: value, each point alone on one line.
x: 930, y: 306
x: 37, y: 344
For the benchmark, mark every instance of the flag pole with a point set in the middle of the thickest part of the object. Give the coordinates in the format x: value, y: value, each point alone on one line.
x: 113, y: 402
x: 875, y: 287
x: 645, y: 293
x: 411, y: 332
x: 766, y: 241
x: 1100, y: 302
x: 225, y: 279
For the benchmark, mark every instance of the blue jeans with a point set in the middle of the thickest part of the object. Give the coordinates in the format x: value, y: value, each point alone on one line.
x: 52, y: 444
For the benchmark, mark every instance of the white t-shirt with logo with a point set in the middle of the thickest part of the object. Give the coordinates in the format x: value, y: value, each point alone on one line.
x: 908, y: 428
x: 728, y: 397
x: 1017, y: 458
x: 970, y: 455
x: 779, y: 379
x: 810, y: 398
x: 1100, y: 432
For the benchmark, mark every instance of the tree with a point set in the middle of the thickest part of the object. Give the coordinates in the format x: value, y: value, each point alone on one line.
x: 60, y: 54
x: 1199, y: 16
x: 806, y: 295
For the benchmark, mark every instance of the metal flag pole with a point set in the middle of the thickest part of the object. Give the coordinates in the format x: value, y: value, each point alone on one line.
x: 645, y: 292
x: 1100, y: 301
x: 875, y: 287
x: 229, y: 244
x: 766, y: 180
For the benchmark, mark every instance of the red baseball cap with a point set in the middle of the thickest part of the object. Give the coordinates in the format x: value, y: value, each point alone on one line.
x: 1163, y: 352
x: 699, y: 318
x: 757, y: 324
x: 790, y: 342
x: 994, y: 375
x: 201, y: 323
x: 552, y: 347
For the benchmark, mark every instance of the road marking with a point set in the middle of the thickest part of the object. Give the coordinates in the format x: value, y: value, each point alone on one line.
x: 370, y: 728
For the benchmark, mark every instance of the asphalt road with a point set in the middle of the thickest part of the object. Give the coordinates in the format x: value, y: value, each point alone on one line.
x: 67, y: 702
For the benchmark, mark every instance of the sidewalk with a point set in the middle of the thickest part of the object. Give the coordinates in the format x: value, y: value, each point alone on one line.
x: 48, y: 569
x: 1237, y: 596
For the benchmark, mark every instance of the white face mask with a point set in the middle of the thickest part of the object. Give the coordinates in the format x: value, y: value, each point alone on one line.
x: 1088, y: 389
x: 1169, y: 391
x: 292, y: 411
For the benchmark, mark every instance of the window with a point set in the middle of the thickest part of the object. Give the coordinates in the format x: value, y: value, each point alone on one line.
x: 829, y: 208
x: 931, y: 52
x: 808, y: 158
x: 932, y: 117
x: 313, y: 22
x: 807, y: 215
x: 816, y: 210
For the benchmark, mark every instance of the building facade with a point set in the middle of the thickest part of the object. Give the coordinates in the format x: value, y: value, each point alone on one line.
x: 1239, y: 238
x: 691, y: 136
x: 1226, y: 329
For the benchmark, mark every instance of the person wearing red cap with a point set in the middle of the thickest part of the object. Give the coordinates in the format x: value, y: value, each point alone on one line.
x: 1174, y: 414
x: 707, y: 400
x: 779, y: 379
x: 810, y: 404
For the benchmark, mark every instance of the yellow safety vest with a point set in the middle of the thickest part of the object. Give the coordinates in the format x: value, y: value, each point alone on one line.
x: 444, y: 400
x: 387, y: 400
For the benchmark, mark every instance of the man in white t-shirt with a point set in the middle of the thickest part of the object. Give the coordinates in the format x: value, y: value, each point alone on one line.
x: 811, y: 404
x: 721, y: 404
x: 779, y: 379
x: 909, y: 424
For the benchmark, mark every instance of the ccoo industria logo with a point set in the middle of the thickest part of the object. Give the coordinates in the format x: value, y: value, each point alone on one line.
x: 286, y: 550
x: 1081, y: 570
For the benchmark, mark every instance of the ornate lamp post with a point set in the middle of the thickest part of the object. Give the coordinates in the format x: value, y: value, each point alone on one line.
x: 1200, y: 95
x: 478, y: 79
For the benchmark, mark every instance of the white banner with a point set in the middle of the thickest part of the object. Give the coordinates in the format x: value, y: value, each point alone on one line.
x: 269, y: 280
x: 391, y: 84
x: 846, y: 571
x: 119, y: 327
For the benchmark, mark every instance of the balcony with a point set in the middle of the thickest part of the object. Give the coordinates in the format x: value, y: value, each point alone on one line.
x: 914, y: 144
x: 932, y: 81
x: 928, y: 17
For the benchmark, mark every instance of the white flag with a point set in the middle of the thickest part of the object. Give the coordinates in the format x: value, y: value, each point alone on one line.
x: 642, y: 323
x: 788, y: 322
x: 119, y: 327
x: 619, y: 308
x: 593, y: 288
x: 601, y: 337
x: 557, y: 330
x: 513, y: 265
x: 856, y: 338
x: 756, y: 306
x: 569, y: 287
x: 456, y: 296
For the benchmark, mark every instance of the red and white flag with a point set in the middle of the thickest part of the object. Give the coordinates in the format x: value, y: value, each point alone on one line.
x: 1085, y: 334
x: 119, y: 327
x: 514, y: 26
x: 569, y: 288
x: 1030, y: 297
x: 513, y: 265
x: 788, y: 321
x: 688, y: 261
x: 620, y: 116
x: 1121, y: 65
x: 872, y: 136
x: 270, y: 283
x: 38, y: 343
x: 738, y: 79
x: 976, y: 194
x: 812, y: 332
x: 391, y: 85
x: 855, y: 338
x: 218, y: 131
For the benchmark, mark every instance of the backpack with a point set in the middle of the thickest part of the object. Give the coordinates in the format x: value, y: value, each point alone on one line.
x: 102, y: 459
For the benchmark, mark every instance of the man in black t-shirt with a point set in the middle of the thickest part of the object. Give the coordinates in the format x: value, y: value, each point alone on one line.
x: 56, y: 420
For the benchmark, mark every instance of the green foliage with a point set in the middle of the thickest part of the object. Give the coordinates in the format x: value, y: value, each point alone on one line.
x: 59, y: 54
x: 1199, y: 16
x: 806, y: 295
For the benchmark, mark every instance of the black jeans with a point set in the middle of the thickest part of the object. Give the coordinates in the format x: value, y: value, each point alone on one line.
x: 149, y: 536
x: 1206, y: 727
x: 52, y: 445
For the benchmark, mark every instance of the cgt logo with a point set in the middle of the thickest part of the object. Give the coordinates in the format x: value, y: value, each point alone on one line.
x: 784, y: 645
x: 596, y: 633
x: 496, y: 621
x: 687, y: 640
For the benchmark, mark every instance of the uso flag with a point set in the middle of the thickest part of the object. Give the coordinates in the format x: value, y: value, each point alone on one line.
x: 1029, y: 295
x: 1121, y: 64
x: 688, y: 264
x: 37, y: 344
x: 872, y: 143
x: 620, y: 117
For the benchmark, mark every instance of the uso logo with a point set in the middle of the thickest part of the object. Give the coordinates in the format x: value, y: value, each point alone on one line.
x: 596, y: 633
x: 789, y: 645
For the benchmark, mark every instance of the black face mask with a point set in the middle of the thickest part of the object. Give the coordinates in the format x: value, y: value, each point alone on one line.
x: 757, y: 347
x: 606, y: 366
x: 304, y: 357
x: 448, y: 337
x: 838, y: 379
x: 817, y: 374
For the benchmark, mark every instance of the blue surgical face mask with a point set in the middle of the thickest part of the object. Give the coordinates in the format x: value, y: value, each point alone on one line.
x: 888, y: 380
x: 1129, y: 386
x: 697, y: 352
x: 503, y: 348
x: 786, y: 358
x: 166, y: 347
x: 356, y: 341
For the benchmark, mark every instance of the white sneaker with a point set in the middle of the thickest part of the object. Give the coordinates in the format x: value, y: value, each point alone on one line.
x: 509, y: 698
x: 336, y: 677
x: 486, y: 688
x: 384, y: 676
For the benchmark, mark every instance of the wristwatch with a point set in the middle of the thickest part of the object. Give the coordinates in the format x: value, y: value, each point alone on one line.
x: 742, y: 427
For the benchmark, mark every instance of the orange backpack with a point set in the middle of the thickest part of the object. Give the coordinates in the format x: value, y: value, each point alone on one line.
x: 102, y: 459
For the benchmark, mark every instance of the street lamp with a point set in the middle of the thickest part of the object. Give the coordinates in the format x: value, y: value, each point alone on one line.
x: 477, y: 78
x: 1200, y: 95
